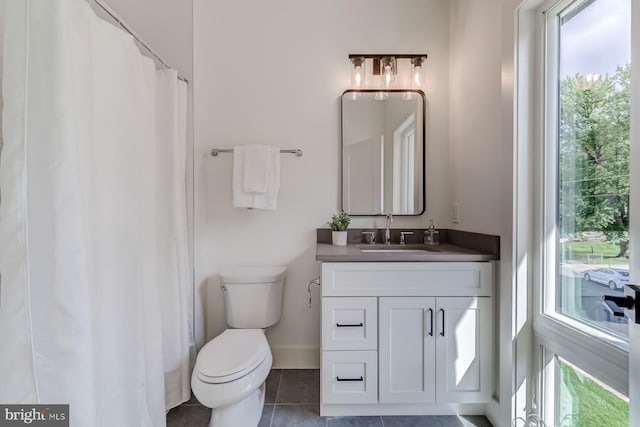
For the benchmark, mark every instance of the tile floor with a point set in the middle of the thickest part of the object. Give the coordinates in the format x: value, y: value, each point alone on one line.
x: 293, y: 400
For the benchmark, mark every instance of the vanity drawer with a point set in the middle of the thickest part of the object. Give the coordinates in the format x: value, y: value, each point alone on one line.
x: 349, y: 377
x: 350, y: 323
x: 406, y: 279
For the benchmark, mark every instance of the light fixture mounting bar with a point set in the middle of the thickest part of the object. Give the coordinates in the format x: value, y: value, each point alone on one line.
x: 395, y: 55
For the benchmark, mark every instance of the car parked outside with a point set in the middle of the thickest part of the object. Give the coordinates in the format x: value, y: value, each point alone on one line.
x: 615, y: 278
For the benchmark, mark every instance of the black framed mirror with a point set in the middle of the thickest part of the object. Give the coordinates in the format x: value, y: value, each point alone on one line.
x: 383, y: 152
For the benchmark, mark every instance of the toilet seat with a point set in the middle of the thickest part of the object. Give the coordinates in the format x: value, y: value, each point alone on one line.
x: 231, y: 355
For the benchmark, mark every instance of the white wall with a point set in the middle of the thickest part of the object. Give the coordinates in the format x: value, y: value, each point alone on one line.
x: 476, y: 149
x: 273, y: 73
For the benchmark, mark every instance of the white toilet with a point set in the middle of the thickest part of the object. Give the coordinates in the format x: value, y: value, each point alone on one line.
x: 231, y: 369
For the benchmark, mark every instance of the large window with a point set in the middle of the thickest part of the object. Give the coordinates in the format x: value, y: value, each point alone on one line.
x: 588, y: 144
x: 584, y: 198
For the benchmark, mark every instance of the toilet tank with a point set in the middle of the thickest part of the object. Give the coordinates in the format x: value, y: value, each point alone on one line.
x: 253, y: 296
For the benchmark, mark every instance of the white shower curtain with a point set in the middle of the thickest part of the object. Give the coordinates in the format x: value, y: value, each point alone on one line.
x: 95, y: 291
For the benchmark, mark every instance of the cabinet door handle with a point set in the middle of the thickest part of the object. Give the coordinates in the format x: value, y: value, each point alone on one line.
x: 431, y: 321
x: 350, y: 379
x: 442, y: 311
x: 349, y: 325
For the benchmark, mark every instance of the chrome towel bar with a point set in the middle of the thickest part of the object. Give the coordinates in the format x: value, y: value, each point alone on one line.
x: 214, y: 151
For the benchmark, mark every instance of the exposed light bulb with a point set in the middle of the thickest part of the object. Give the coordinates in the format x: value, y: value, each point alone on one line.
x: 387, y: 76
x: 416, y: 77
x: 358, y: 72
x: 357, y: 76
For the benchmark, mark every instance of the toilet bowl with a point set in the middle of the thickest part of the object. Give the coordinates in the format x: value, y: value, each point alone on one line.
x: 229, y: 377
x: 231, y: 369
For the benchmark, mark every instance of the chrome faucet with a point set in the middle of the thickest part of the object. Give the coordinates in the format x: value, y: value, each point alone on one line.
x: 404, y: 233
x: 387, y: 232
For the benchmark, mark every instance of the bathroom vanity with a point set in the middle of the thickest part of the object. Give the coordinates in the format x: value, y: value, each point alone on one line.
x: 406, y: 329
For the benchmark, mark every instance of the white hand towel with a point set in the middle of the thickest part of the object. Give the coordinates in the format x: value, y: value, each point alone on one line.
x: 259, y: 200
x: 256, y: 168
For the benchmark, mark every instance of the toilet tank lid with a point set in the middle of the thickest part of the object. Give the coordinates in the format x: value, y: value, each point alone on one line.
x: 253, y: 274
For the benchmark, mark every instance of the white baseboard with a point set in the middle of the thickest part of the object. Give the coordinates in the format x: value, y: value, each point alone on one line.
x: 295, y: 357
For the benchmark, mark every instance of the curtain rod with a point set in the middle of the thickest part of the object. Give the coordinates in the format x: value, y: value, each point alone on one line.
x: 128, y: 29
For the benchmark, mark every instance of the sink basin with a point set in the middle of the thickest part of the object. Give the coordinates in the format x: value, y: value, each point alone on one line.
x: 397, y: 248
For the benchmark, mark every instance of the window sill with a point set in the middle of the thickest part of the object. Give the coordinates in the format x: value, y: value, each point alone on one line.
x: 603, y: 355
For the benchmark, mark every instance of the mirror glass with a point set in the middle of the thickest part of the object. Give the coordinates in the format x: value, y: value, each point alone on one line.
x: 383, y: 152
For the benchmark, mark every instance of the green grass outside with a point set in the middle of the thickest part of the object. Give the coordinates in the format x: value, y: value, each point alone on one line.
x: 579, y: 250
x: 585, y: 403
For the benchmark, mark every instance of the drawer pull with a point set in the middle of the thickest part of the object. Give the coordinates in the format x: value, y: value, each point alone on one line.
x: 350, y: 379
x: 349, y: 325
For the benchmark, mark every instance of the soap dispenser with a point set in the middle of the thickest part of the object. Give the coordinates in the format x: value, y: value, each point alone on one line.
x: 431, y: 235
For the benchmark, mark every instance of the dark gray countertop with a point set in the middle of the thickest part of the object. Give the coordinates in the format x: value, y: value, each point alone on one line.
x: 456, y: 246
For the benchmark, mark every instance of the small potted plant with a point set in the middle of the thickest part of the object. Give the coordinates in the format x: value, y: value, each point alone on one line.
x: 339, y: 223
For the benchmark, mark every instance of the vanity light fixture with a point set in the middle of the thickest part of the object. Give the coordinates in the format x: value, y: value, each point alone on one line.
x: 386, y: 67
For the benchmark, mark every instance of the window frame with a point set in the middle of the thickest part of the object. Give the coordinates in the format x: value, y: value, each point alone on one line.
x: 604, y: 356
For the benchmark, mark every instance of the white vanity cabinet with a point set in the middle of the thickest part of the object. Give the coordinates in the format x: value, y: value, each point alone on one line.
x: 404, y: 337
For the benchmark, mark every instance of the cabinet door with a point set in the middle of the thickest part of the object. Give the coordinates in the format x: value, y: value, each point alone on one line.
x: 407, y: 349
x: 463, y: 349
